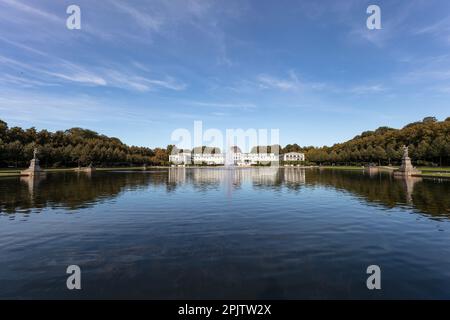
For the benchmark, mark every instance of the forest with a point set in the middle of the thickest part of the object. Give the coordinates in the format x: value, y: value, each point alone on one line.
x: 428, y: 141
x: 71, y: 148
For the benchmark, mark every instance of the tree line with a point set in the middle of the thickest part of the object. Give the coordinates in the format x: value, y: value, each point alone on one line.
x: 72, y: 147
x: 428, y: 141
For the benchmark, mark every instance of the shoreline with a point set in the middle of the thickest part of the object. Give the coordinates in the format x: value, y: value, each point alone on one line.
x: 431, y: 173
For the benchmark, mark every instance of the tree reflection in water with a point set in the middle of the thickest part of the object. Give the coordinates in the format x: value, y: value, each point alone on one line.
x: 74, y: 191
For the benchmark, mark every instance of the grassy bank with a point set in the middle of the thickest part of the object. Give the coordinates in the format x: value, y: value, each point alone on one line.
x: 16, y: 172
x: 435, y: 169
x: 426, y: 172
x: 9, y: 173
x: 342, y: 167
x: 430, y: 172
x: 435, y: 175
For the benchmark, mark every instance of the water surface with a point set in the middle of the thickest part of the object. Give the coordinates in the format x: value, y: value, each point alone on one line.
x: 216, y: 233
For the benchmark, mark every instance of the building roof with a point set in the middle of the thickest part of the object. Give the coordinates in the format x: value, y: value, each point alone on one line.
x: 235, y: 149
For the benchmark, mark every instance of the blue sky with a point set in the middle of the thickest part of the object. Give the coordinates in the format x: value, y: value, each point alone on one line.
x: 138, y: 70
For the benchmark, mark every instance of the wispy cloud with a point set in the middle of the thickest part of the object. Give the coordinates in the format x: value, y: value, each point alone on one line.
x: 289, y: 83
x: 48, y: 109
x: 25, y: 82
x: 426, y: 70
x: 219, y: 114
x: 366, y: 89
x: 169, y: 20
x: 129, y: 80
x: 65, y: 71
x: 270, y: 82
x: 17, y: 5
x: 233, y: 105
x: 40, y: 108
x: 396, y: 21
x: 434, y: 28
x: 145, y: 20
x: 439, y: 30
x: 79, y: 76
x: 28, y: 16
x: 427, y: 75
x: 57, y: 68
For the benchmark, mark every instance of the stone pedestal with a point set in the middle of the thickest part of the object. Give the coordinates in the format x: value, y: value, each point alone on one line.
x: 34, y: 169
x: 406, y: 169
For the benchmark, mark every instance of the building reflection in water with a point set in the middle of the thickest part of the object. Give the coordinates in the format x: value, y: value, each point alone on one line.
x: 231, y: 179
x: 294, y: 175
x: 230, y: 176
x: 177, y: 175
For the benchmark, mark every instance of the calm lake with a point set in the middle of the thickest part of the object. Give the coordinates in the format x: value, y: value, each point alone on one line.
x: 250, y: 233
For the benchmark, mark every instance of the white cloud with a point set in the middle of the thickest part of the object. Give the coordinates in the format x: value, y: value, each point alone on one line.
x: 270, y: 82
x: 436, y: 28
x: 67, y: 71
x: 84, y: 77
x: 233, y: 105
x: 167, y: 83
x: 127, y: 80
x: 145, y: 20
x: 73, y: 110
x: 439, y: 30
x: 24, y: 82
x: 291, y: 83
x: 32, y: 10
x: 365, y: 89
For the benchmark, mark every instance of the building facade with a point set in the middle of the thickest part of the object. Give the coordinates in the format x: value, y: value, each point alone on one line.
x: 294, y: 156
x: 235, y: 157
x: 243, y: 159
x: 238, y: 158
x: 181, y: 158
x: 208, y: 158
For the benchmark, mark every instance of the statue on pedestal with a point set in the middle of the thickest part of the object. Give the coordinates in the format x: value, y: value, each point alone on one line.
x: 405, y: 152
x: 406, y: 169
x: 34, y: 169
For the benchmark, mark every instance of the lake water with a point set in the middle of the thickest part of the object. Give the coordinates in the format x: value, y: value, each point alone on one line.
x: 250, y: 233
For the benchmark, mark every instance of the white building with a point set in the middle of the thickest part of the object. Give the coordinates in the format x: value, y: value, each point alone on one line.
x: 183, y: 157
x: 237, y: 158
x: 234, y: 157
x: 209, y: 158
x: 242, y: 159
x: 294, y: 156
